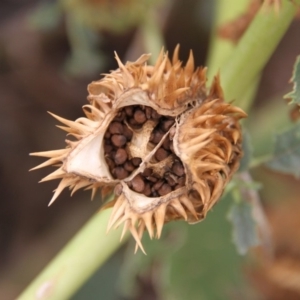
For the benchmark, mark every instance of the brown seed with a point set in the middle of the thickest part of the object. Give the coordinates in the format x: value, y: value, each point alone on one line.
x: 116, y: 128
x: 165, y: 189
x: 136, y: 161
x: 118, y: 140
x: 177, y: 168
x: 147, y: 190
x: 139, y: 116
x: 119, y: 172
x: 166, y: 124
x: 129, y: 111
x: 181, y: 181
x: 128, y: 166
x: 166, y: 143
x: 152, y: 178
x: 147, y: 172
x: 138, y: 183
x: 118, y: 189
x: 133, y: 122
x: 161, y: 154
x: 120, y: 156
x: 156, y: 136
x: 148, y: 112
x: 155, y: 115
x: 157, y: 185
x: 127, y: 132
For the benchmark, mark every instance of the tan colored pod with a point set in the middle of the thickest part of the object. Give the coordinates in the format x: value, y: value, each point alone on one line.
x: 155, y: 136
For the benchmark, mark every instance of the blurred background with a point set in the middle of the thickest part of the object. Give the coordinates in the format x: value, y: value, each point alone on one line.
x: 49, y: 52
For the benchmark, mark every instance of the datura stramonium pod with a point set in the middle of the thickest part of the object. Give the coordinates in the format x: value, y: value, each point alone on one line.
x: 158, y: 138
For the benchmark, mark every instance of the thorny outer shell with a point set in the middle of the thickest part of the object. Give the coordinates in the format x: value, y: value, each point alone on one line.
x: 205, y: 139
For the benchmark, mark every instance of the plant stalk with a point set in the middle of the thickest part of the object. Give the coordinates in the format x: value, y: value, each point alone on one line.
x: 80, y: 258
x: 254, y: 50
x: 220, y: 49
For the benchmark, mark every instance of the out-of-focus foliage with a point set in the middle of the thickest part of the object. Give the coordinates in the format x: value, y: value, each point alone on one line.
x: 179, y: 265
x: 86, y: 21
x: 110, y: 15
x: 286, y: 158
x: 244, y: 233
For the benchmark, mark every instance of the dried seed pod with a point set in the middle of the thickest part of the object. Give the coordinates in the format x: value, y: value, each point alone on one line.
x: 205, y: 140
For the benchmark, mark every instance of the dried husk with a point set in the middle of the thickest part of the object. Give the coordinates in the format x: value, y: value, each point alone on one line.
x: 205, y: 139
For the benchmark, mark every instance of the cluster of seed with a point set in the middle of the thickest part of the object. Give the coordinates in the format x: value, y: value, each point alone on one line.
x: 154, y: 185
x: 120, y: 162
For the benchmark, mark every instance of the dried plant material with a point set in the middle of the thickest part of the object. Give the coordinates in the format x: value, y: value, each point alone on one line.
x: 158, y: 137
x: 234, y: 29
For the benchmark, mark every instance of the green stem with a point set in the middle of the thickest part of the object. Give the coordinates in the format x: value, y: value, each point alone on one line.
x: 82, y: 256
x: 220, y: 49
x: 254, y: 50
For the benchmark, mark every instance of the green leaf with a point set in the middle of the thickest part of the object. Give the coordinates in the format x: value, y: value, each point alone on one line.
x: 294, y: 96
x: 244, y: 227
x: 286, y: 157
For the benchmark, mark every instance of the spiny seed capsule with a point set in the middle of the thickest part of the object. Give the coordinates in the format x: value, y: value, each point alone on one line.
x: 165, y: 141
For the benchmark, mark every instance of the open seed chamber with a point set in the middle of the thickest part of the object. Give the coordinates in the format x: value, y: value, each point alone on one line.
x: 155, y: 136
